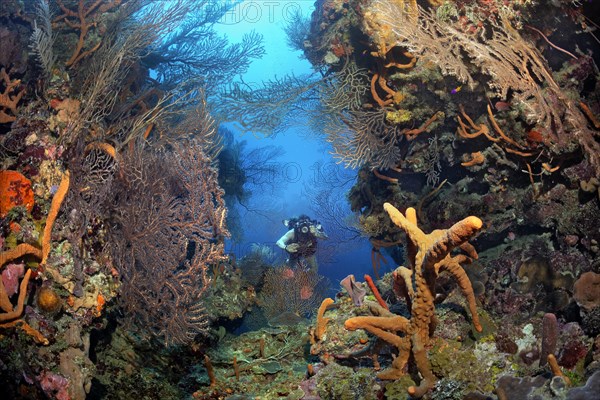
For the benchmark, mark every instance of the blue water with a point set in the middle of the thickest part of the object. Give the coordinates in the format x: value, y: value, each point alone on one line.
x: 307, y: 158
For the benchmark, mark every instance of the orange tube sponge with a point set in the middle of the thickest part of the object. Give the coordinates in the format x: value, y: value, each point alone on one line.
x: 375, y: 291
x: 63, y: 188
x: 321, y: 320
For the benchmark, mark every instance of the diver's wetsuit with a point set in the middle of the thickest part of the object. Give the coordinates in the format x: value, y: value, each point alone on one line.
x: 303, y: 236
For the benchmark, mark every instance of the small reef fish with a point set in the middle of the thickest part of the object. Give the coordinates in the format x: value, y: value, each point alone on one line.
x: 456, y: 89
x: 502, y: 106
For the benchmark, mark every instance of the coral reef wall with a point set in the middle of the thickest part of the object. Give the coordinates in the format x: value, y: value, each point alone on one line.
x: 470, y: 108
x: 110, y: 204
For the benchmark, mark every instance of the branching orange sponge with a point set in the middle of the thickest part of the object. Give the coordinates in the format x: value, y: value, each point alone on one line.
x: 429, y: 254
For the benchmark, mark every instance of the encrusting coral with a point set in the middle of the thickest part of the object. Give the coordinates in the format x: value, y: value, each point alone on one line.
x: 429, y: 254
x: 15, y: 190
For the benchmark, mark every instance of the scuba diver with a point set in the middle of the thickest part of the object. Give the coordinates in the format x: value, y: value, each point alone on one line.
x: 301, y: 241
